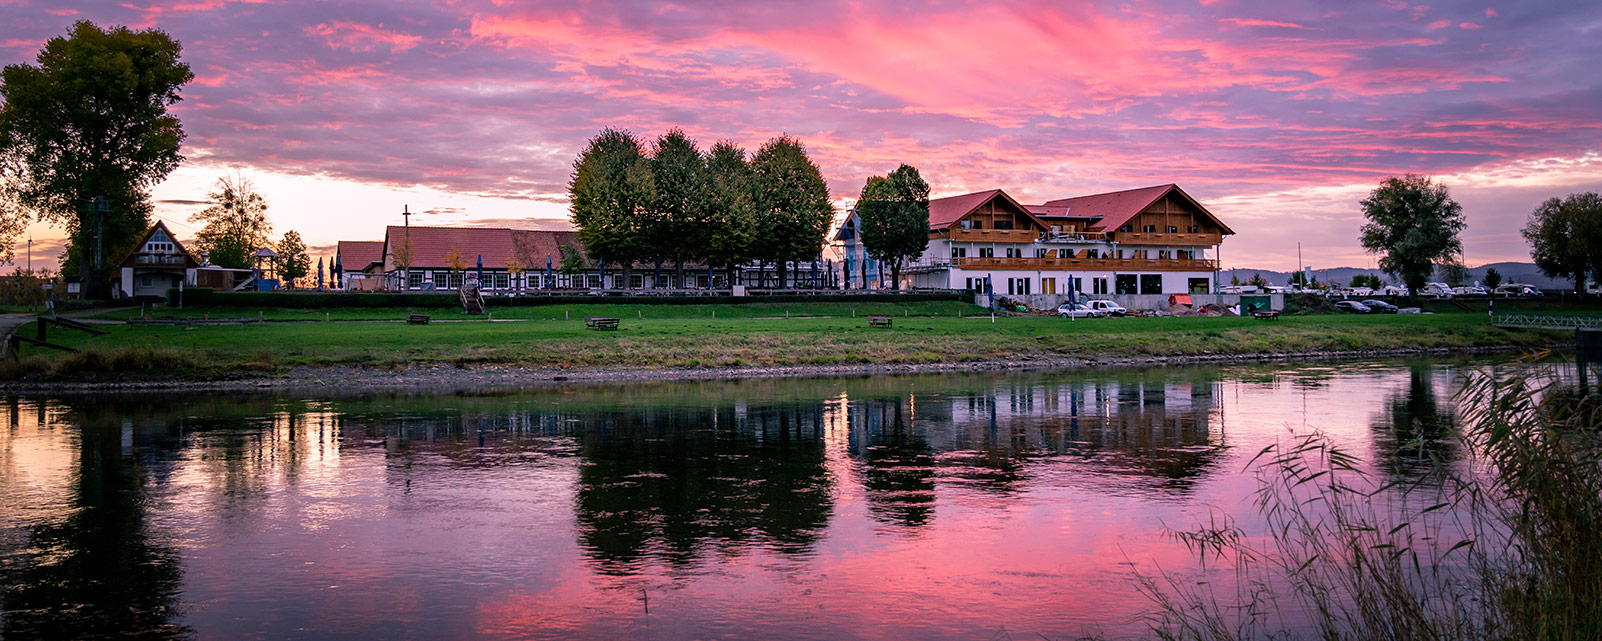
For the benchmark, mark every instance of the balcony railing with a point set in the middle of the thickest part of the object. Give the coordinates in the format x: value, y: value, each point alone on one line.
x: 162, y: 260
x: 1074, y: 237
x: 1059, y: 264
x: 1161, y: 238
x: 994, y: 235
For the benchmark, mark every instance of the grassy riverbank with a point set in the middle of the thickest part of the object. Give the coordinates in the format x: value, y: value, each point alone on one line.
x: 674, y: 336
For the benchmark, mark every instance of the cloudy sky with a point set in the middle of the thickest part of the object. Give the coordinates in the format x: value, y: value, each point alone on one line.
x: 1278, y: 115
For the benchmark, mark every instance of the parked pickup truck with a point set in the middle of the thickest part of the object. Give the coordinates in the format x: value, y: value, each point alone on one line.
x: 1107, y: 307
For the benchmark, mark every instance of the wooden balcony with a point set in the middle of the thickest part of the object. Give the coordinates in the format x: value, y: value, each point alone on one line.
x: 992, y: 235
x: 159, y: 260
x: 1100, y: 264
x: 1205, y: 239
x: 1075, y: 237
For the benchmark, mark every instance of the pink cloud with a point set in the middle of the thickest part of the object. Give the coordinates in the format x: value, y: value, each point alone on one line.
x: 363, y: 37
x: 1439, y: 24
x: 1491, y: 13
x: 1250, y: 22
x: 1468, y: 25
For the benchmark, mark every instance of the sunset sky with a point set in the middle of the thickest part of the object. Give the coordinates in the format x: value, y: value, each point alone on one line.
x: 1279, y: 116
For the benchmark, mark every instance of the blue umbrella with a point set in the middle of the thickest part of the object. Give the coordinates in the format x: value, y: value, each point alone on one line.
x: 1072, y: 291
x: 480, y: 270
x: 547, y: 271
x: 989, y: 292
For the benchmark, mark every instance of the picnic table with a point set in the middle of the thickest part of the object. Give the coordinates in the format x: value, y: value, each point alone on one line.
x: 878, y: 321
x: 416, y: 319
x: 1266, y: 315
x: 600, y: 322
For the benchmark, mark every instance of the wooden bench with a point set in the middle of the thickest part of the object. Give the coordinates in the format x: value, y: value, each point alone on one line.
x: 1266, y: 315
x: 878, y: 321
x: 416, y: 319
x: 600, y: 322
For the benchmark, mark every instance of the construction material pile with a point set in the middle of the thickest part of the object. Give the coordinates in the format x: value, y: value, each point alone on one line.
x: 1209, y: 310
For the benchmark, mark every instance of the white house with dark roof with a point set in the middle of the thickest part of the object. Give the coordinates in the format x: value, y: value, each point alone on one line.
x: 158, y: 263
x: 1153, y: 240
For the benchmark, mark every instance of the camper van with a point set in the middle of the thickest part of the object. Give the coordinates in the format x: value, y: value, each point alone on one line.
x: 1517, y: 289
x: 1438, y: 290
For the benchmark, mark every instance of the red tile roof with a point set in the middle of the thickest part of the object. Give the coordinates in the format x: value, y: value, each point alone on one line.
x: 945, y: 212
x: 1118, y: 207
x: 358, y: 255
x: 431, y: 246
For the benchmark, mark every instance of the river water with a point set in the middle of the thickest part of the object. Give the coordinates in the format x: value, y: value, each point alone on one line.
x: 928, y: 507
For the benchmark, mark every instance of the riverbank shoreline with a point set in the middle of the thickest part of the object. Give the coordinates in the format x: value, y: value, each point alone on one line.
x: 449, y: 379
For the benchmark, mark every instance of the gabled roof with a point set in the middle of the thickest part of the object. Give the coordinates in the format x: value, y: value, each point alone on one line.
x: 1118, y: 207
x: 945, y: 212
x: 431, y: 246
x: 189, y: 260
x: 358, y: 255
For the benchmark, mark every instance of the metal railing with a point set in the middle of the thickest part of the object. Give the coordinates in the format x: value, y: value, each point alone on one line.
x: 1547, y: 321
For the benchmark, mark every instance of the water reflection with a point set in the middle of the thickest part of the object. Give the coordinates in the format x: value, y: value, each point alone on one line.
x: 1415, y: 434
x: 817, y: 508
x: 95, y: 569
x: 686, y: 484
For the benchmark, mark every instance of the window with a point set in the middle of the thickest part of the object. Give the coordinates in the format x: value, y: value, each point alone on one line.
x: 500, y: 280
x: 987, y: 252
x: 1151, y: 283
x: 1003, y: 224
x: 1099, y: 285
x: 1162, y: 253
x: 1172, y: 229
x: 1199, y: 286
x: 1014, y: 252
x: 145, y: 281
x: 1185, y: 254
x: 1127, y: 228
x: 1195, y: 229
x: 414, y: 280
x: 593, y: 280
x: 959, y: 252
x: 972, y: 224
x: 1150, y: 229
x: 636, y: 281
x: 1041, y: 252
x: 1126, y: 284
x: 1093, y: 253
x: 1140, y: 253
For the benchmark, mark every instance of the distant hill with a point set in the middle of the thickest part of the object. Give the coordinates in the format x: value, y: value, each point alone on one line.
x: 1511, y: 273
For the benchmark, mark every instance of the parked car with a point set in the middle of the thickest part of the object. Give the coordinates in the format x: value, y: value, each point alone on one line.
x: 1107, y: 307
x: 1517, y: 289
x: 1438, y: 290
x: 1380, y: 307
x: 1353, y: 307
x: 1070, y: 310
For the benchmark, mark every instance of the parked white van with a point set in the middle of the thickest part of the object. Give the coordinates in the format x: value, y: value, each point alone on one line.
x: 1438, y: 290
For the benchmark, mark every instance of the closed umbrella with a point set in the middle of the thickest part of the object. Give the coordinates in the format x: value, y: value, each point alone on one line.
x: 547, y: 271
x: 480, y: 270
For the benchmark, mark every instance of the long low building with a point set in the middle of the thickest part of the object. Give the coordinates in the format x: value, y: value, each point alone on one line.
x: 1153, y: 240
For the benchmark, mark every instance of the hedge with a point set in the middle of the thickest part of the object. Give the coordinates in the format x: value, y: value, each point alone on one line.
x: 324, y: 300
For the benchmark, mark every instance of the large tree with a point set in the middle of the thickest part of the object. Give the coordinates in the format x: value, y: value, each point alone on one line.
x: 612, y: 192
x: 90, y: 129
x: 1565, y: 236
x: 677, y: 228
x: 791, y: 202
x: 1414, y: 223
x: 893, y: 214
x: 731, y: 213
x: 293, y: 263
x: 235, y: 224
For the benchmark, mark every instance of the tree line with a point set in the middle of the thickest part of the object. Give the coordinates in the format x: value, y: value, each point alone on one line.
x: 1414, y: 223
x: 671, y: 203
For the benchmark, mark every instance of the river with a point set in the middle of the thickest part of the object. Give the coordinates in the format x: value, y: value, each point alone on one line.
x: 930, y: 507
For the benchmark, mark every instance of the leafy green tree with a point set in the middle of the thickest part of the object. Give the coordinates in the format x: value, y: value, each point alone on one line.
x: 1414, y: 223
x: 678, y: 228
x: 293, y: 263
x: 235, y: 224
x: 88, y: 122
x: 731, y: 209
x: 1565, y: 237
x: 612, y: 193
x: 792, y: 203
x: 1367, y: 280
x: 893, y: 214
x: 1257, y: 280
x: 1299, y: 279
x: 1493, y: 278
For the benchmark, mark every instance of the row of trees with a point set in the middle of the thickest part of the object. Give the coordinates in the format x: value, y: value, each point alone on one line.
x: 674, y: 203
x: 1415, y: 224
x: 235, y: 226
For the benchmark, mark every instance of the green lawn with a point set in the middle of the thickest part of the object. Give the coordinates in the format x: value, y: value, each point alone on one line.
x: 656, y: 336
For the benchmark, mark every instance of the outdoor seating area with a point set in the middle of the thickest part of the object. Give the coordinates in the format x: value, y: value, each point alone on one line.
x: 878, y: 321
x: 416, y: 319
x: 600, y: 322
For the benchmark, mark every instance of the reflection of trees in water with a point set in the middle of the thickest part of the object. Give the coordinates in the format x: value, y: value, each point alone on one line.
x: 1414, y: 434
x: 898, y: 466
x: 673, y: 482
x: 100, y: 572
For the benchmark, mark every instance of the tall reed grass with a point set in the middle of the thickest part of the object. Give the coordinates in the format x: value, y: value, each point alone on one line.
x: 1507, y: 545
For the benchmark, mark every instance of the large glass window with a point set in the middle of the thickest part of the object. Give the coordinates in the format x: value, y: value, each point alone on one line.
x: 1126, y: 284
x: 1151, y: 283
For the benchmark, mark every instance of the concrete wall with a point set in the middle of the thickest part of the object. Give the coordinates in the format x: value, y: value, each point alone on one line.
x: 1135, y: 302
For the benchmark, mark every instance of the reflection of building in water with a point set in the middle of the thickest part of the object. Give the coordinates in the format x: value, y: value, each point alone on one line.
x: 1166, y: 431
